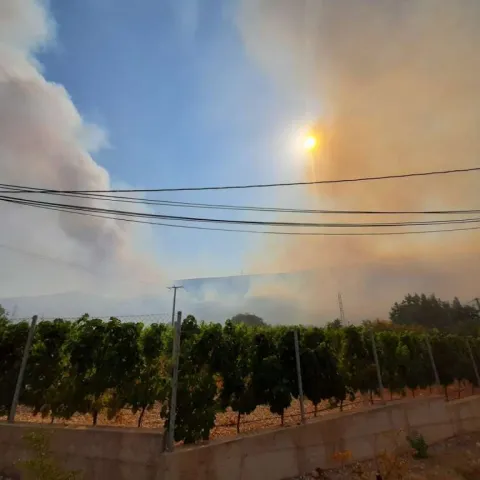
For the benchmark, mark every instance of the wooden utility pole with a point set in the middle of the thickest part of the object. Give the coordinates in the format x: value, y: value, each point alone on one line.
x: 173, y: 397
x: 340, y: 306
x: 21, y: 373
x: 299, y: 375
x: 174, y: 288
x: 377, y: 364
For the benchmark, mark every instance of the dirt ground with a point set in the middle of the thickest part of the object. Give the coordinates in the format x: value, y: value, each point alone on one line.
x: 455, y: 459
x: 226, y: 422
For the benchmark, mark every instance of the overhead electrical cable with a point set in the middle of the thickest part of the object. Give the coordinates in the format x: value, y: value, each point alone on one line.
x: 259, y: 232
x: 88, y: 209
x: 271, y: 185
x: 249, y: 208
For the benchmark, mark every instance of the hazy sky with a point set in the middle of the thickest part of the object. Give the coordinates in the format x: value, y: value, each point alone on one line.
x: 104, y: 93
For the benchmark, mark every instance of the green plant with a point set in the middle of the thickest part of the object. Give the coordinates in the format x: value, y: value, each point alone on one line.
x: 43, y: 465
x: 419, y: 445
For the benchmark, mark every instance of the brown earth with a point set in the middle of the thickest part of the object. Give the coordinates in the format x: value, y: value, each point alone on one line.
x: 455, y: 459
x: 226, y: 422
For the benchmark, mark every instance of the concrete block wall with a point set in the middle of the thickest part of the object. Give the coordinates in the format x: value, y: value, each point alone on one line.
x: 118, y: 454
x: 100, y: 453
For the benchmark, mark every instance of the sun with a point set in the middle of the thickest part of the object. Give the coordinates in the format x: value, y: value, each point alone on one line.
x: 310, y: 143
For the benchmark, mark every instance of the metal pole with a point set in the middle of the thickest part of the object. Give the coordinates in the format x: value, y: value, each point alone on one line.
x: 377, y: 364
x: 21, y: 373
x: 173, y: 398
x: 474, y: 363
x: 299, y: 375
x: 432, y: 360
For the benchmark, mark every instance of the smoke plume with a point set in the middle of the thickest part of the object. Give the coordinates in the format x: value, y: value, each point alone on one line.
x: 397, y: 83
x: 44, y: 142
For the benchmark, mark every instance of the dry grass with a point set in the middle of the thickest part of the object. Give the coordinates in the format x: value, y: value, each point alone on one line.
x: 454, y: 459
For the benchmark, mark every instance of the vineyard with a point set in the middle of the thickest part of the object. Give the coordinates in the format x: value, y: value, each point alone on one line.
x: 227, y: 373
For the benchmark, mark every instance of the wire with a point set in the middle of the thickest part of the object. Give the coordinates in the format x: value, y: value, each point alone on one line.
x: 282, y: 233
x: 251, y: 208
x: 237, y: 222
x: 270, y: 185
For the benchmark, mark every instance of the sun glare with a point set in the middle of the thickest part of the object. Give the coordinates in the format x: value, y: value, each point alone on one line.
x: 310, y: 143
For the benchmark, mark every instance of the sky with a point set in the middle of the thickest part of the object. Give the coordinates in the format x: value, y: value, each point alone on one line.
x: 111, y: 94
x: 181, y: 103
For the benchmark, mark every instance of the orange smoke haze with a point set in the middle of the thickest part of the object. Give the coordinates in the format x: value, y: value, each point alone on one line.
x: 398, y: 86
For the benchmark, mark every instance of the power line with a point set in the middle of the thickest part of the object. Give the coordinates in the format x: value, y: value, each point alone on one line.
x: 269, y: 185
x: 169, y: 203
x: 23, y: 201
x: 260, y: 232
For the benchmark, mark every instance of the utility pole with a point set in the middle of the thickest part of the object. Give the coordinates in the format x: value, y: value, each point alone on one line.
x: 474, y: 363
x: 377, y: 365
x: 432, y: 361
x: 340, y: 305
x: 174, y: 288
x: 173, y: 397
x: 299, y: 375
x: 21, y: 373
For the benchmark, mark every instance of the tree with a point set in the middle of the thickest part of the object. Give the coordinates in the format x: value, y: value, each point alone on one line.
x: 13, y: 337
x: 270, y: 382
x: 415, y: 370
x: 357, y: 365
x: 335, y: 324
x: 151, y: 382
x: 248, y: 319
x: 274, y: 387
x: 445, y: 359
x: 391, y: 355
x: 431, y: 312
x: 104, y: 358
x: 197, y: 386
x: 236, y: 370
x: 320, y: 376
x: 47, y: 364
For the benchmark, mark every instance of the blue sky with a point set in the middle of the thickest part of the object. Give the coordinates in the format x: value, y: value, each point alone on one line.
x: 182, y: 104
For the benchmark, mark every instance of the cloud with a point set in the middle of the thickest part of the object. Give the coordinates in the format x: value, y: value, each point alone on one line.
x: 397, y: 92
x: 45, y: 142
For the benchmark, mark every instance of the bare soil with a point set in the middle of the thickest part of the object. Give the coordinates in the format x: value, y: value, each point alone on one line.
x: 455, y: 459
x: 226, y: 422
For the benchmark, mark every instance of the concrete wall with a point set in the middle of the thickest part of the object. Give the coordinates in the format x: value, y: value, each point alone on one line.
x: 101, y: 453
x: 105, y: 454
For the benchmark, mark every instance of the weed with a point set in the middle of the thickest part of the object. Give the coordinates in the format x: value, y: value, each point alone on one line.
x: 43, y: 466
x: 419, y: 445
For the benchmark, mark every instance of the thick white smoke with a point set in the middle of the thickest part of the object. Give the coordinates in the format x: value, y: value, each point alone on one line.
x: 44, y: 142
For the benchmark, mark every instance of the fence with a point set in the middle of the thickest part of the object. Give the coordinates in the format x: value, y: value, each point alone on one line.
x: 301, y: 411
x: 145, y: 318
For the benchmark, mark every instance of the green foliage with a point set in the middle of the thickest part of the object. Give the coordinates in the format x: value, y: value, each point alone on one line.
x: 236, y: 370
x: 13, y: 337
x: 92, y: 366
x: 431, y: 312
x: 43, y: 466
x: 248, y: 319
x: 46, y: 368
x: 150, y: 384
x: 104, y: 362
x: 357, y: 364
x: 419, y: 445
x: 197, y: 389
